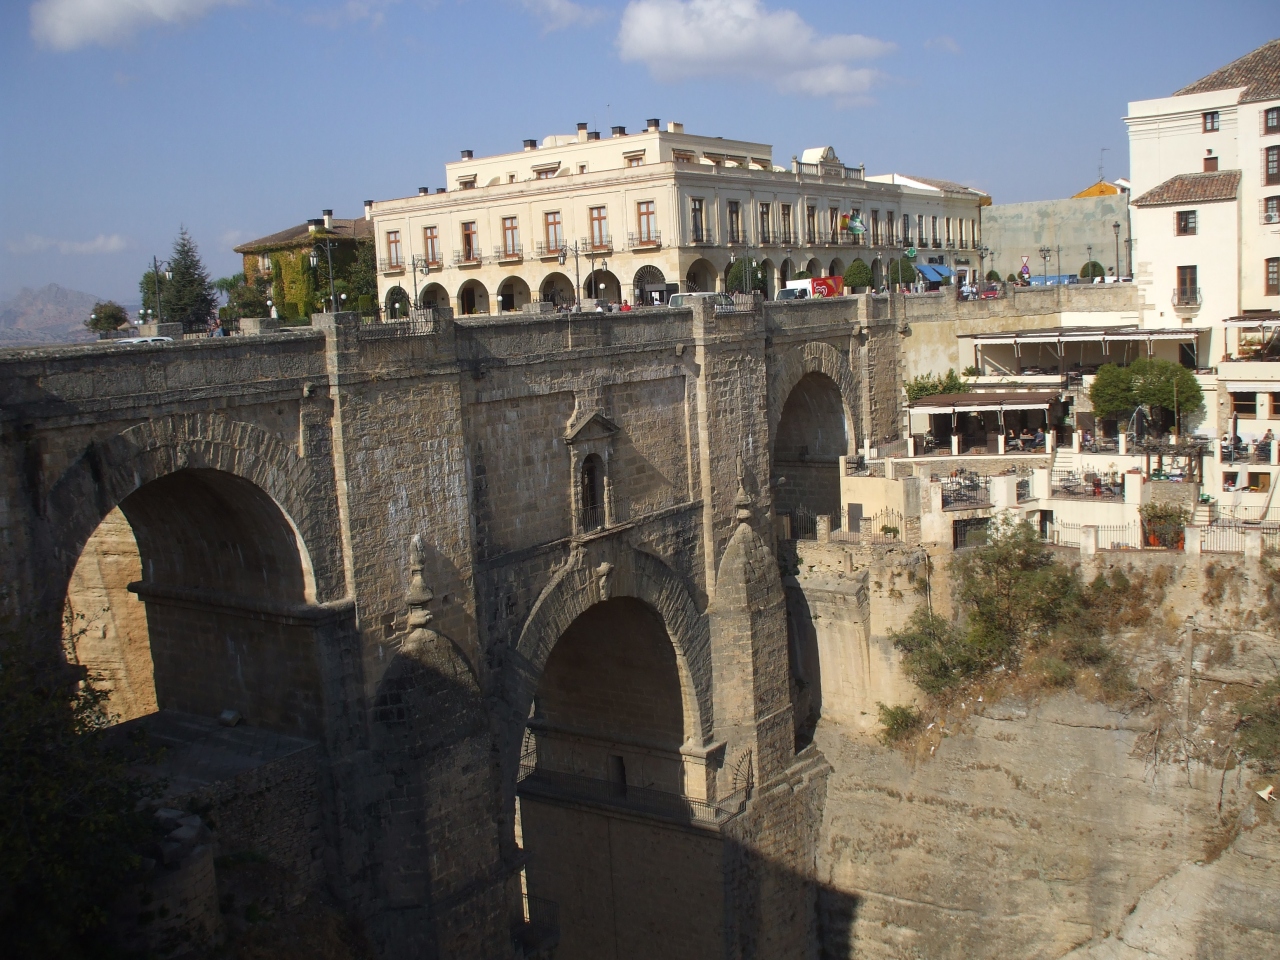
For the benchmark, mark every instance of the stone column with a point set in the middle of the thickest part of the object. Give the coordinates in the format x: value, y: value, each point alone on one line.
x: 1075, y: 441
x: 1088, y: 540
x: 823, y: 528
x: 911, y: 445
x: 1124, y: 443
x: 1192, y: 542
x: 1000, y: 447
x: 955, y: 445
x: 1050, y: 438
x: 1253, y: 544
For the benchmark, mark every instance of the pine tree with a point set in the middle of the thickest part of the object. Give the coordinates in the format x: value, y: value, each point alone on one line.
x: 189, y: 297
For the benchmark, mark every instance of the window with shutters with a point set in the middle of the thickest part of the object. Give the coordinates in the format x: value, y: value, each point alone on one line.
x: 553, y: 229
x: 1186, y: 223
x: 646, y: 221
x: 470, y: 242
x: 599, y: 227
x: 1272, y: 165
x: 394, y: 256
x: 697, y: 222
x: 765, y: 236
x: 735, y: 221
x: 1273, y: 276
x: 1211, y: 121
x: 431, y: 243
x: 1271, y: 120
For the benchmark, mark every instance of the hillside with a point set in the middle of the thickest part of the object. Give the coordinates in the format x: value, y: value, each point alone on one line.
x: 52, y: 314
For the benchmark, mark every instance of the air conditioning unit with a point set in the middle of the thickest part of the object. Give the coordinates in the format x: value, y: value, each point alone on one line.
x: 1271, y: 218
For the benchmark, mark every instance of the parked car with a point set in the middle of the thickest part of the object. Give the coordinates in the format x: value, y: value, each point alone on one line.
x: 990, y: 292
x: 686, y: 299
x: 133, y: 341
x: 793, y: 293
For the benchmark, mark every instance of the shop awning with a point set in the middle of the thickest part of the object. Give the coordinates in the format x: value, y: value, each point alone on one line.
x: 942, y: 270
x: 1252, y: 386
x: 1082, y: 335
x: 928, y: 272
x: 949, y: 403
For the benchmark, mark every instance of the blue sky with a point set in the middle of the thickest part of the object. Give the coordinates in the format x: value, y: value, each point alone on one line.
x: 124, y: 119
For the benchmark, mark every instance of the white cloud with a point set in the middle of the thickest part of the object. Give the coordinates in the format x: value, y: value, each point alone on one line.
x: 680, y: 39
x: 69, y: 24
x: 102, y: 243
x: 942, y: 43
x: 558, y: 14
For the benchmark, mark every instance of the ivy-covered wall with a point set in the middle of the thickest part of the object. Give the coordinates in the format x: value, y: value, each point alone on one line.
x: 296, y: 286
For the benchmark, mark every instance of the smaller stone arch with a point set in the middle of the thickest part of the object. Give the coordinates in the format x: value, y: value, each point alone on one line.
x: 513, y: 294
x: 433, y: 295
x: 556, y: 288
x: 396, y: 303
x: 601, y: 285
x: 837, y: 268
x: 786, y: 272
x: 815, y: 267
x: 473, y: 298
x: 700, y: 277
x: 648, y: 282
x: 769, y: 271
x: 798, y: 362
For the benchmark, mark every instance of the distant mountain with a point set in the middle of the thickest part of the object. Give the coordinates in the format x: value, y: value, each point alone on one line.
x: 52, y: 314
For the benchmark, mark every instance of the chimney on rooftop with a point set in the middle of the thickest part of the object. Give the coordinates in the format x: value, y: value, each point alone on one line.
x: 466, y: 154
x: 531, y: 144
x: 653, y: 125
x: 673, y: 127
x: 582, y: 133
x: 368, y: 209
x: 423, y: 191
x: 328, y: 219
x: 440, y: 189
x: 593, y: 135
x: 314, y: 225
x: 618, y: 131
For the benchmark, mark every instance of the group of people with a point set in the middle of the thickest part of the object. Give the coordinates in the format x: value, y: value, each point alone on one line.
x: 612, y: 306
x: 1025, y: 440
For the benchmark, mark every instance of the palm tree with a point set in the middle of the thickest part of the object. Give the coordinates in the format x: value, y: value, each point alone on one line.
x: 227, y: 286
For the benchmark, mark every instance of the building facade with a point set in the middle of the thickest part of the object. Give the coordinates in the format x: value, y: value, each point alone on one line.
x: 284, y: 259
x: 639, y: 216
x: 1206, y: 209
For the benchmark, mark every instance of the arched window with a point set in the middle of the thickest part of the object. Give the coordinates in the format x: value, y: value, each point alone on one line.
x: 592, y: 502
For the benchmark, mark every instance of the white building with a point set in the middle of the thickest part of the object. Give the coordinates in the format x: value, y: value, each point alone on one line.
x: 1205, y: 169
x: 652, y: 213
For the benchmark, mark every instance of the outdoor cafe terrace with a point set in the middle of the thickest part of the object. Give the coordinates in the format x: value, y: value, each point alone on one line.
x: 1057, y: 355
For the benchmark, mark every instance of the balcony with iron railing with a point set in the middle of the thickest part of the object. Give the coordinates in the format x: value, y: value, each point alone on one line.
x: 649, y: 240
x: 467, y: 258
x: 935, y: 243
x: 542, y: 783
x: 509, y: 252
x: 602, y: 244
x: 390, y: 264
x: 544, y: 250
x: 969, y: 492
x: 1186, y: 298
x: 698, y: 234
x: 1074, y: 485
x: 537, y: 931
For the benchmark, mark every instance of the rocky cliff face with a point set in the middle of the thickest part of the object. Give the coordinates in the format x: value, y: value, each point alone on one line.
x: 1052, y: 825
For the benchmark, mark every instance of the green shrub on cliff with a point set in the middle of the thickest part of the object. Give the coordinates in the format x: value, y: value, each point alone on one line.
x: 1259, y: 726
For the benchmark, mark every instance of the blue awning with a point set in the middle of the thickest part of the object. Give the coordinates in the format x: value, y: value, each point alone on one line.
x: 943, y: 271
x: 929, y: 272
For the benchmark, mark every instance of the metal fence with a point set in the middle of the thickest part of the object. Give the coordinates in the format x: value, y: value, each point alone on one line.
x: 1222, y: 538
x: 966, y: 492
x: 1087, y: 486
x: 538, y: 929
x: 1064, y: 534
x: 883, y: 528
x: 1024, y: 489
x: 1120, y: 536
x: 969, y: 533
x: 421, y: 323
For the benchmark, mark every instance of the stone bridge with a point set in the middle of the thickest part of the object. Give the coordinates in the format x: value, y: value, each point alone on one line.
x: 474, y: 561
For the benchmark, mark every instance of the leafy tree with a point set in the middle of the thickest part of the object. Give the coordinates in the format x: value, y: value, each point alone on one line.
x: 1163, y: 387
x: 802, y: 275
x: 993, y: 276
x: 148, y: 286
x: 362, y: 273
x: 932, y: 384
x: 857, y: 274
x: 189, y: 297
x: 72, y: 824
x: 1092, y: 269
x: 1112, y: 392
x: 902, y: 271
x: 734, y: 282
x: 1012, y: 278
x: 107, y: 316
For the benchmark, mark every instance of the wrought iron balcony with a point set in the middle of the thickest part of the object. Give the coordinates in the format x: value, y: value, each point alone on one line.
x: 537, y: 931
x: 509, y: 252
x: 390, y: 265
x: 545, y: 250
x: 597, y: 245
x: 463, y: 258
x: 1186, y: 297
x: 645, y: 241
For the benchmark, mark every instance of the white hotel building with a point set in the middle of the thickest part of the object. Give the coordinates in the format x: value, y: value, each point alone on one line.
x: 653, y: 213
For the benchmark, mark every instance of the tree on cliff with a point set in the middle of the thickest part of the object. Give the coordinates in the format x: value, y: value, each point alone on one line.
x: 70, y: 827
x: 107, y: 315
x: 1168, y: 392
x: 932, y: 384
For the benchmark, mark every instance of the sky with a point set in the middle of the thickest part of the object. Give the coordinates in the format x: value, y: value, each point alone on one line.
x: 126, y: 120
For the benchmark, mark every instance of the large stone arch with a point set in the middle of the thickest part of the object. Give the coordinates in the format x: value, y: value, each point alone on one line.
x: 799, y: 362
x: 580, y: 584
x: 112, y: 469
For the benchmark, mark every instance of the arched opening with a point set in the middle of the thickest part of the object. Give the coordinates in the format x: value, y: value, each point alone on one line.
x: 600, y: 803
x: 649, y: 286
x: 837, y: 268
x: 396, y: 303
x: 785, y: 272
x: 770, y: 274
x: 815, y: 268
x: 473, y: 298
x: 433, y: 296
x: 512, y: 295
x: 199, y: 579
x: 700, y: 277
x: 601, y: 285
x: 812, y: 436
x: 556, y: 288
x: 591, y: 498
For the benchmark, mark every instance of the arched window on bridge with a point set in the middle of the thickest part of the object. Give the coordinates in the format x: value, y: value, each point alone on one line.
x: 592, y: 498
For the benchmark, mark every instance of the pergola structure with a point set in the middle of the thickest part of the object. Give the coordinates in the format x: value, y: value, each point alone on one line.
x: 1070, y: 349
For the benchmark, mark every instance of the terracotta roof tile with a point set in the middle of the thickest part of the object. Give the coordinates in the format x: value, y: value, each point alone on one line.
x: 1258, y: 72
x: 360, y: 229
x: 1193, y: 188
x: 949, y: 186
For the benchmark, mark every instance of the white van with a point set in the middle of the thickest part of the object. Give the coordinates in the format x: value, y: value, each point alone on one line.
x: 686, y: 299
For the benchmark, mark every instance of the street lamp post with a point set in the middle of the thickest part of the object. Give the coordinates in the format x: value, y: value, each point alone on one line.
x: 327, y: 245
x: 1089, y: 258
x: 155, y: 276
x: 983, y: 250
x: 1044, y: 258
x: 1116, y: 227
x: 562, y: 257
